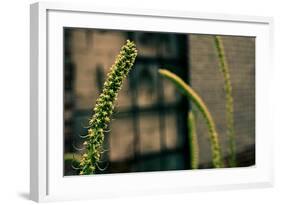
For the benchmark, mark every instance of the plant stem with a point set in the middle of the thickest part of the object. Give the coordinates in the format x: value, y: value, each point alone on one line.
x: 196, y: 99
x: 194, y: 148
x: 229, y: 100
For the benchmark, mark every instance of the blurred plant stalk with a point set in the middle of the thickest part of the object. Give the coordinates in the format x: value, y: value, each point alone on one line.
x: 194, y: 148
x: 229, y: 100
x: 199, y: 103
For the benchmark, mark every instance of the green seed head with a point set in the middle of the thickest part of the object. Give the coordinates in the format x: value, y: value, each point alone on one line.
x: 105, y: 105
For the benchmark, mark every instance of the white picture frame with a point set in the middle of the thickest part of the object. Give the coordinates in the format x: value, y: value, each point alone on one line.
x: 47, y: 182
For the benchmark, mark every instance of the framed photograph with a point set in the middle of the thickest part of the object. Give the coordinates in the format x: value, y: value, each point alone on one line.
x: 128, y: 101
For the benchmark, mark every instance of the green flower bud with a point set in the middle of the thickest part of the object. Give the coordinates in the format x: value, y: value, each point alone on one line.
x: 104, y: 107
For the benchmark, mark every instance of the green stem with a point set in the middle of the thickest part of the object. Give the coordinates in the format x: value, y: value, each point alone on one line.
x: 229, y: 100
x: 195, y: 98
x: 194, y: 148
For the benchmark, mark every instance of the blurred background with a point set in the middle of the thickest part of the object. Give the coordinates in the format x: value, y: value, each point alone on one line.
x: 149, y: 127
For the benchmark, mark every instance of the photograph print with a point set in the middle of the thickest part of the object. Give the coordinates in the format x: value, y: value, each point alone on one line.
x: 138, y: 101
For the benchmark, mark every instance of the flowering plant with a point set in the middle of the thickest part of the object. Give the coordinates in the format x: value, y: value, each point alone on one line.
x: 104, y: 108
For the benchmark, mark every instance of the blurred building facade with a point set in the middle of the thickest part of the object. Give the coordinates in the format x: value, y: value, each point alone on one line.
x: 149, y: 129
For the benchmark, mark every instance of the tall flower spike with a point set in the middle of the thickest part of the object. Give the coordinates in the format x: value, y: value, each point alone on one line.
x: 199, y: 103
x: 104, y: 108
x: 229, y: 100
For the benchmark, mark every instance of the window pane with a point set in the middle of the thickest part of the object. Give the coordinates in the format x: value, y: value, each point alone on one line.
x: 150, y: 136
x: 121, y: 139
